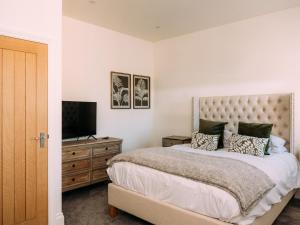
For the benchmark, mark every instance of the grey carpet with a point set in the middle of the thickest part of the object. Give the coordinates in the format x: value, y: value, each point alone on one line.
x: 88, y: 206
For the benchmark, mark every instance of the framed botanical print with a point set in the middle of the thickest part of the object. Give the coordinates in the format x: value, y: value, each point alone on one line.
x: 141, y: 92
x: 120, y: 90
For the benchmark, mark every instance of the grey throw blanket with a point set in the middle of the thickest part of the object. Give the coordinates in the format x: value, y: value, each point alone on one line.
x: 244, y: 182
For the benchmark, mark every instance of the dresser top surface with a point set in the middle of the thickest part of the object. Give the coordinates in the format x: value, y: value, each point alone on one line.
x: 176, y: 137
x: 90, y: 142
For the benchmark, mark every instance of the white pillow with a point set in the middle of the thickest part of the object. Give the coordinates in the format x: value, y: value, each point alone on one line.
x: 276, y: 141
x: 226, y: 139
x: 277, y: 145
x: 276, y: 150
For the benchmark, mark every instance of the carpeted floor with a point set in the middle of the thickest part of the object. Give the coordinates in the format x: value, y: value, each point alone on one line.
x: 88, y: 206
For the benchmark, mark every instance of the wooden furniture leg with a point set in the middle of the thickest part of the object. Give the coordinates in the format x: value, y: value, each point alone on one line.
x: 112, y: 211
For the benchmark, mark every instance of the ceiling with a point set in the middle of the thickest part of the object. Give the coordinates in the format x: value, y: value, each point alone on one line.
x: 154, y: 20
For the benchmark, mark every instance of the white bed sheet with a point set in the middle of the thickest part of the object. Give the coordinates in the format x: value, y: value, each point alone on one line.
x: 205, y: 199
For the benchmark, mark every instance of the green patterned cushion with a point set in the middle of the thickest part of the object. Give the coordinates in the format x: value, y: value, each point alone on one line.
x: 213, y: 127
x: 205, y: 141
x: 248, y: 145
x: 260, y: 130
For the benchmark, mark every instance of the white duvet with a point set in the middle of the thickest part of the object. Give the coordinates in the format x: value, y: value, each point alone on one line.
x: 208, y: 200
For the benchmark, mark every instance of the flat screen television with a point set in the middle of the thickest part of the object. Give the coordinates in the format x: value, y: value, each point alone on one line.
x: 79, y: 119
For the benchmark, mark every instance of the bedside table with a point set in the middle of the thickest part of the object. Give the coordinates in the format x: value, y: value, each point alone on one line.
x: 175, y: 140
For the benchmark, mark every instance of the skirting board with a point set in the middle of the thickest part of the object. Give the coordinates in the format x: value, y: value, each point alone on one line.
x: 160, y: 213
x: 59, y: 220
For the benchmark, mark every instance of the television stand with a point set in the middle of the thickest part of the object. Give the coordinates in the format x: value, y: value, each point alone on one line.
x: 91, y: 136
x: 84, y: 161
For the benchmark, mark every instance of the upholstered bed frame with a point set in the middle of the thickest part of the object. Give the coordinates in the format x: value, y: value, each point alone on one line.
x: 275, y: 108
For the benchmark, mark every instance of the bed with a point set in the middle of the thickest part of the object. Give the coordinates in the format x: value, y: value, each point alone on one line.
x: 138, y: 190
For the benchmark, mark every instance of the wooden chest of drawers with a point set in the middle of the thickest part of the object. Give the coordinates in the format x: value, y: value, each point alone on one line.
x: 84, y: 162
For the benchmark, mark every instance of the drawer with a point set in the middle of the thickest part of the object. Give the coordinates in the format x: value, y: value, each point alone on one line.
x: 106, y: 149
x: 170, y: 142
x: 75, y: 153
x: 74, y: 166
x: 99, y: 175
x: 76, y: 179
x: 101, y: 161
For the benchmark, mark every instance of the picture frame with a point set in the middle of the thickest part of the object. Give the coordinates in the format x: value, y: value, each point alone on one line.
x: 120, y: 90
x: 141, y: 92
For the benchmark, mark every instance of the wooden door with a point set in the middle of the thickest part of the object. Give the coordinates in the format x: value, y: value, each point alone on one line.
x: 23, y: 116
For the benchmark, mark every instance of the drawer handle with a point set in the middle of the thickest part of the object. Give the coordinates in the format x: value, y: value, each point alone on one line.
x: 73, y: 165
x: 106, y: 148
x: 73, y: 179
x: 106, y: 160
x: 73, y: 153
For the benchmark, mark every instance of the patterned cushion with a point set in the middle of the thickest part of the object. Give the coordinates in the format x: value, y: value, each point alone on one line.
x: 248, y: 145
x: 260, y: 130
x: 205, y: 141
x: 213, y: 127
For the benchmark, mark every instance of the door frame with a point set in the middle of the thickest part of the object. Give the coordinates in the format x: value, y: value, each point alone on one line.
x: 55, y: 215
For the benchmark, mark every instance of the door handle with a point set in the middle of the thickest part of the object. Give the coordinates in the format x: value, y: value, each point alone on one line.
x: 42, y: 139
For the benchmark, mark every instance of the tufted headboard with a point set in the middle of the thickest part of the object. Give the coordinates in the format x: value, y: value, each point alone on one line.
x: 273, y: 108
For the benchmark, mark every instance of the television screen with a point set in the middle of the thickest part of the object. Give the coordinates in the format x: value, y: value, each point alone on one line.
x: 78, y: 119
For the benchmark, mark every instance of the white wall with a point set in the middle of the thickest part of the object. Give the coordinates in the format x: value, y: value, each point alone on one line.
x: 255, y: 56
x: 90, y: 53
x: 40, y: 20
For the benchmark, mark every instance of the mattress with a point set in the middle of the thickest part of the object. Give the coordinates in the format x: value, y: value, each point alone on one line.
x: 204, y: 199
